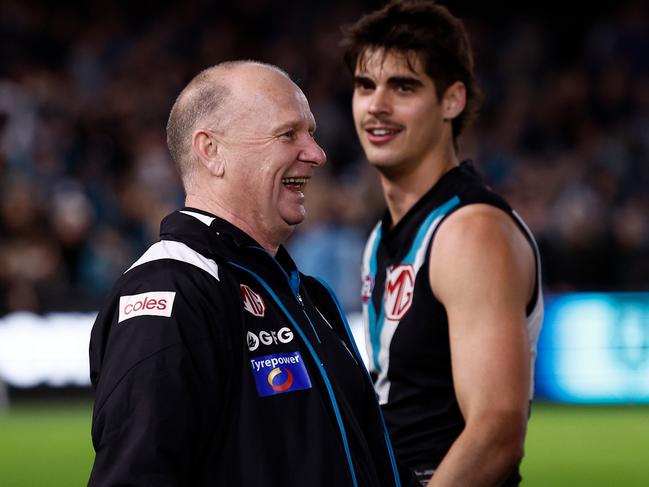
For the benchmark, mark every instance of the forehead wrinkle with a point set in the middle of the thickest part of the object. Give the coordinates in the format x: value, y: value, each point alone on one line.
x: 258, y: 90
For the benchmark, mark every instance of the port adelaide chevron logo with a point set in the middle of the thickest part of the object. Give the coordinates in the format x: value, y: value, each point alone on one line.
x: 252, y: 302
x: 399, y: 287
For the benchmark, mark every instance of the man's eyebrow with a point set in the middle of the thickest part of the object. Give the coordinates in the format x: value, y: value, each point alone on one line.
x: 405, y: 80
x: 392, y: 80
x: 295, y: 125
x: 361, y: 77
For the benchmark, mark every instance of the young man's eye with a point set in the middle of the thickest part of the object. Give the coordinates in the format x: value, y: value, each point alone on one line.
x: 405, y: 88
x: 363, y: 85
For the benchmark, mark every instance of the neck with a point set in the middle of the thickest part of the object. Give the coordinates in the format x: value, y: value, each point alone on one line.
x: 269, y: 242
x: 403, y: 190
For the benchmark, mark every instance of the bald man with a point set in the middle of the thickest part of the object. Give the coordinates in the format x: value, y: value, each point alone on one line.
x: 215, y: 362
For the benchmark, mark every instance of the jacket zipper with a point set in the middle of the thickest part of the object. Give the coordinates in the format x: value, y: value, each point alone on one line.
x: 294, y: 289
x: 318, y: 362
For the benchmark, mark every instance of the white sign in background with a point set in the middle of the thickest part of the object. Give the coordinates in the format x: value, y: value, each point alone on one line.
x: 47, y: 349
x: 52, y: 349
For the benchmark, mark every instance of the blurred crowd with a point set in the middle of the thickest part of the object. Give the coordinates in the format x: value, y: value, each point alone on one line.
x: 85, y: 176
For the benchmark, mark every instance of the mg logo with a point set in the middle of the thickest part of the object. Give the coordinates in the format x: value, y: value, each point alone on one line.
x: 399, y: 287
x: 252, y: 302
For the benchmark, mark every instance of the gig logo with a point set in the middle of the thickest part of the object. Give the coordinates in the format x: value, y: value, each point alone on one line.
x: 279, y: 373
x: 155, y: 303
x: 252, y: 302
x: 283, y: 335
x: 399, y: 288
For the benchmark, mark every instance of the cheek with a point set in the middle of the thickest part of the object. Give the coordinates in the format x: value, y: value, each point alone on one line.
x: 357, y: 110
x: 427, y: 121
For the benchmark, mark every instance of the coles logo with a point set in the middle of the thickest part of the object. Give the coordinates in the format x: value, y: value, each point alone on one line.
x: 399, y: 287
x: 252, y: 302
x: 366, y: 290
x: 283, y: 335
x: 155, y: 303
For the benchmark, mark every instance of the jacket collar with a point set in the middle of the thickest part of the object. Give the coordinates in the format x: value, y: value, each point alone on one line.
x: 222, y: 241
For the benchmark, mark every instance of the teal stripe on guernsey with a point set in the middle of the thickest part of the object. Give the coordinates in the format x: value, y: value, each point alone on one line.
x: 371, y: 310
x: 376, y: 327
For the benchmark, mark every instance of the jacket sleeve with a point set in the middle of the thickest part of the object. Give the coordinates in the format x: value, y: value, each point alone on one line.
x: 160, y: 385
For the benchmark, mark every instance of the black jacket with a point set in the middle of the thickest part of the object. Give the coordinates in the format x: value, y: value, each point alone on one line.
x: 216, y: 364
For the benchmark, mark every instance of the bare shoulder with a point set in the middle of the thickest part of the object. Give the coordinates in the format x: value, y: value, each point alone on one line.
x: 480, y: 246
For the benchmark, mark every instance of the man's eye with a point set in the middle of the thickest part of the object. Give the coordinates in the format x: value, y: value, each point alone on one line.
x: 289, y: 135
x: 405, y: 88
x: 362, y: 85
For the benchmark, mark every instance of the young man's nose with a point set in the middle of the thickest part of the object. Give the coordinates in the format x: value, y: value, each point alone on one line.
x: 379, y: 103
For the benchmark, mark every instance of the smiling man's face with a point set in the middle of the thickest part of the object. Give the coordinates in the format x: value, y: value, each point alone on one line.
x: 269, y: 150
x: 397, y: 113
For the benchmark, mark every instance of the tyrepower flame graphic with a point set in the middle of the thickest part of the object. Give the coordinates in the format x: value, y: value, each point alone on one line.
x: 252, y: 302
x: 281, y: 385
x: 399, y: 287
x: 279, y: 373
x: 155, y: 303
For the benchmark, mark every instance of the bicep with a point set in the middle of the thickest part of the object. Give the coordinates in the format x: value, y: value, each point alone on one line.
x: 482, y: 269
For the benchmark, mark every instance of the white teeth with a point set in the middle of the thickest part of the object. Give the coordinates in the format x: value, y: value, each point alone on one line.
x: 381, y: 131
x: 299, y: 181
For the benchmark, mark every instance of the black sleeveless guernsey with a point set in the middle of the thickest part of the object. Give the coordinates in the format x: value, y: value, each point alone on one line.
x: 406, y: 327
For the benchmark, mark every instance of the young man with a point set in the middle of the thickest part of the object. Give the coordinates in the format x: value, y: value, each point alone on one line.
x: 452, y: 298
x: 215, y: 362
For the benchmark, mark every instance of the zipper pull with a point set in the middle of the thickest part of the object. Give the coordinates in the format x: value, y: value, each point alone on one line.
x: 299, y: 299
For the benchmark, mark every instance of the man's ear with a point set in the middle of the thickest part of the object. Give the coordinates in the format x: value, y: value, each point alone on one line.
x: 207, y: 151
x: 454, y: 100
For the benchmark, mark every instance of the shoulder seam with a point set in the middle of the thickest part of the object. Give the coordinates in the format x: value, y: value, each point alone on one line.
x: 171, y: 249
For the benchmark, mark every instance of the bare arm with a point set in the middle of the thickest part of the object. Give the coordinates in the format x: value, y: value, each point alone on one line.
x: 482, y: 270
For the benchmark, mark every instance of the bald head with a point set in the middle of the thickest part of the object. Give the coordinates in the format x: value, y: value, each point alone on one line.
x: 207, y: 102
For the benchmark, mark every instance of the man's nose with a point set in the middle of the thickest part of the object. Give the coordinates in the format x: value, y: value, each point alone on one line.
x: 379, y: 102
x: 312, y: 153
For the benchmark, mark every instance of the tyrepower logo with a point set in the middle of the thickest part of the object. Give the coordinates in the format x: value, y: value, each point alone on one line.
x: 399, y: 287
x: 252, y: 302
x: 155, y: 303
x: 278, y: 373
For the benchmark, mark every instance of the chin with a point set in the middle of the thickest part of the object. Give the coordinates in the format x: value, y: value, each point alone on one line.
x: 293, y: 217
x: 380, y: 158
x: 293, y: 222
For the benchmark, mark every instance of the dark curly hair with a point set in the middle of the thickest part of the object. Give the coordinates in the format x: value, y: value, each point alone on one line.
x: 428, y: 30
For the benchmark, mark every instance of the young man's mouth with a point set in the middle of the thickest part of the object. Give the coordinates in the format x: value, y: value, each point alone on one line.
x: 381, y: 134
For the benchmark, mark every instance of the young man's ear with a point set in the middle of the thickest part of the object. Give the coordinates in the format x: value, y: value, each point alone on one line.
x: 207, y: 151
x: 454, y: 100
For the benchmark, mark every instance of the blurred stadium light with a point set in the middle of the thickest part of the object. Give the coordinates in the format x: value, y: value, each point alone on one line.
x: 594, y: 348
x: 49, y: 350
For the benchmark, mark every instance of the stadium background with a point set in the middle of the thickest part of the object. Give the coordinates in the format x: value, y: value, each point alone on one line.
x: 85, y: 90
